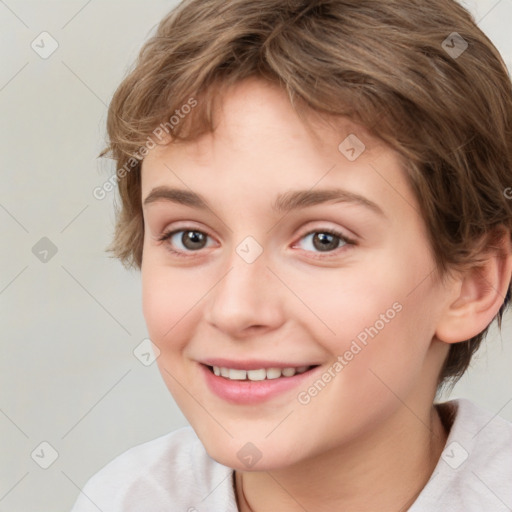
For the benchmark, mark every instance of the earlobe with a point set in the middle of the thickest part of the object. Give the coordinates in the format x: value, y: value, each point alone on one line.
x: 479, y: 293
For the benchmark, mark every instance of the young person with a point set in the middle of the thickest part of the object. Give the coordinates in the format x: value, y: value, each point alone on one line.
x: 315, y: 193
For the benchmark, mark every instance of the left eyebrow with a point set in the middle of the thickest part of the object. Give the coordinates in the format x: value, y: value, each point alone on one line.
x: 296, y: 199
x: 292, y: 200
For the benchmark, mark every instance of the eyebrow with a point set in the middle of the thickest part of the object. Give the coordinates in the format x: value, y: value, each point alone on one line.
x: 292, y: 200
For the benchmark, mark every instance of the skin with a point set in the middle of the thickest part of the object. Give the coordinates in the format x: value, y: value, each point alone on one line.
x: 371, y: 438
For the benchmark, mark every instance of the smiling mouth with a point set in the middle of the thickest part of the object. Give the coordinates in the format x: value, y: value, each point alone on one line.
x: 258, y: 374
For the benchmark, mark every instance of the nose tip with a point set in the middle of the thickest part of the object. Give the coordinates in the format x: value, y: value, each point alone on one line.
x: 244, y: 300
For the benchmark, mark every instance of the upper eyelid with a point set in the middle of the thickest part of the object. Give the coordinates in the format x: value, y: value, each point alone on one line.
x: 322, y: 229
x: 191, y: 227
x: 173, y: 231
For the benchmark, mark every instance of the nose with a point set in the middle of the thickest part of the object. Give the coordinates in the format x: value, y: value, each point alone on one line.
x: 246, y: 300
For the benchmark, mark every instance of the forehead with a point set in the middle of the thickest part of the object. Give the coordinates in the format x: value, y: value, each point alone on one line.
x: 260, y: 143
x: 254, y: 111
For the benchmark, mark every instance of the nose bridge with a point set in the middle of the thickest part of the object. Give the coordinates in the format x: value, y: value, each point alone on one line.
x: 245, y: 284
x: 247, y: 271
x: 245, y: 296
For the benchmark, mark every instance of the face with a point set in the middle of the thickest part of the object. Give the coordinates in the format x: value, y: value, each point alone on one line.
x: 267, y: 246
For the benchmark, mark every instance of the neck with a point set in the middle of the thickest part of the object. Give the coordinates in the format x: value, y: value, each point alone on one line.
x: 383, y: 471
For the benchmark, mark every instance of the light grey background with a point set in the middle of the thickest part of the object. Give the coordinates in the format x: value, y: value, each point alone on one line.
x: 70, y: 325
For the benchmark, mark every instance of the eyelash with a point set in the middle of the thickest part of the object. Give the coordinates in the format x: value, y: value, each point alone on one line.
x: 184, y: 254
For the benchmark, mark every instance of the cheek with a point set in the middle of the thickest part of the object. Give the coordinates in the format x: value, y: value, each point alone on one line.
x: 342, y: 304
x: 170, y: 308
x: 169, y: 301
x: 381, y: 339
x: 379, y: 314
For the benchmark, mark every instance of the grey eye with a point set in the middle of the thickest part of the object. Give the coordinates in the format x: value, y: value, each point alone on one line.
x: 323, y: 241
x: 190, y: 240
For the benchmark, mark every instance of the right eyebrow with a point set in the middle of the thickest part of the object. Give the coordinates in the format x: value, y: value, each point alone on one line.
x: 177, y: 195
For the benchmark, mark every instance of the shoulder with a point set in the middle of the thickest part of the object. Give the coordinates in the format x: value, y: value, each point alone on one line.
x: 170, y: 472
x: 483, y: 438
x: 474, y: 472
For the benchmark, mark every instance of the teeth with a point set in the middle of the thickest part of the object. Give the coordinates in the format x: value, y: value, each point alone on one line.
x: 260, y: 374
x: 288, y: 372
x: 273, y: 373
x: 237, y: 374
x: 256, y: 374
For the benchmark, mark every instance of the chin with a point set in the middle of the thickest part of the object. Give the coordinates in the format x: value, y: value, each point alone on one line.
x: 246, y: 456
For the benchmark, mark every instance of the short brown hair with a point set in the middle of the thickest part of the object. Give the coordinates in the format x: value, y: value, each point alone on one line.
x: 386, y: 64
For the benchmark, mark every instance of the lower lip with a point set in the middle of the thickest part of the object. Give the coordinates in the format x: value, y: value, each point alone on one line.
x: 252, y: 392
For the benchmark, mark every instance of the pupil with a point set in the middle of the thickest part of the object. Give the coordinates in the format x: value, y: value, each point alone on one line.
x: 193, y: 239
x: 327, y: 241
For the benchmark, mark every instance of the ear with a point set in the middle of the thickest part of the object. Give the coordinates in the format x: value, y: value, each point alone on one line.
x: 478, y: 292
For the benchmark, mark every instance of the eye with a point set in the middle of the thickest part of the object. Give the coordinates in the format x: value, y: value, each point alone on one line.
x: 325, y: 240
x: 185, y: 240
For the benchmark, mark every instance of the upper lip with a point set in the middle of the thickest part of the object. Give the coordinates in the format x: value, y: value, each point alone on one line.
x: 252, y: 364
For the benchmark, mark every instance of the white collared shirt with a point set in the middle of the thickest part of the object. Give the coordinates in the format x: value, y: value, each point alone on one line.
x: 173, y: 473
